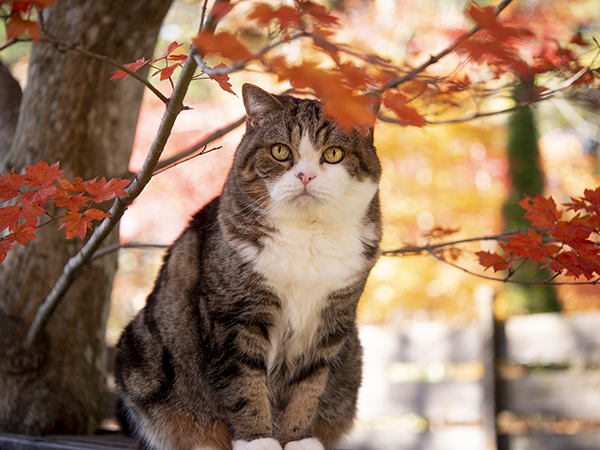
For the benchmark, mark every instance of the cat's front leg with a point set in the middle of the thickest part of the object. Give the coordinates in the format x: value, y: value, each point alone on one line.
x: 240, y: 377
x: 304, y: 391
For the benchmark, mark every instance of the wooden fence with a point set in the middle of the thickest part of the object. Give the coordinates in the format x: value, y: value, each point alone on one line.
x: 531, y: 383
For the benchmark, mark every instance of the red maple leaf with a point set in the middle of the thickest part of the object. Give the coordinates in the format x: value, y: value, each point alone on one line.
x: 131, y: 66
x: 223, y: 80
x: 102, y: 190
x: 219, y: 10
x: 494, y: 260
x: 170, y: 49
x: 10, y: 215
x: 5, y: 246
x: 77, y: 224
x: 577, y: 263
x: 541, y: 211
x: 71, y: 201
x: 530, y: 245
x: 166, y: 72
x: 24, y: 233
x: 574, y: 234
x: 41, y: 174
x: 74, y: 186
x: 10, y: 185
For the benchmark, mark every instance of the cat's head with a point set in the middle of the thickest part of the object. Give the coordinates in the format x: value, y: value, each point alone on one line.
x: 293, y: 160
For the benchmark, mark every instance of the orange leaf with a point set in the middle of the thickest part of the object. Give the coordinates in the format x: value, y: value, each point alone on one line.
x: 349, y: 110
x: 102, y: 190
x: 319, y: 12
x: 77, y: 224
x: 131, y: 66
x: 224, y: 43
x: 264, y: 14
x: 16, y: 26
x: 74, y: 186
x: 406, y: 115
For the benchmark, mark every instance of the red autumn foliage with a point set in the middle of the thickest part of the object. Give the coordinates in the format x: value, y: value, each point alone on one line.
x: 566, y: 246
x: 42, y: 183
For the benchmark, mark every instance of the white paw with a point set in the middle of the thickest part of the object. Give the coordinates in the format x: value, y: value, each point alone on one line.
x: 257, y: 444
x: 304, y: 444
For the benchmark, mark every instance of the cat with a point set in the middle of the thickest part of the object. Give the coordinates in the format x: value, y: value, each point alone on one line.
x: 248, y: 340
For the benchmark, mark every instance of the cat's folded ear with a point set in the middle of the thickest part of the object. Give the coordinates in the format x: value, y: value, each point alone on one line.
x: 259, y: 104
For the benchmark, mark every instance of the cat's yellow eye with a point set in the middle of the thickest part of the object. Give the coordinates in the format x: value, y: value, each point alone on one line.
x: 281, y: 152
x: 333, y: 155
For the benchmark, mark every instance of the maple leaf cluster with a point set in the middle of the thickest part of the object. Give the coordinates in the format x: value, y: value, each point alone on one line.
x: 566, y: 246
x: 171, y: 61
x: 41, y: 183
x: 340, y: 75
x: 20, y: 18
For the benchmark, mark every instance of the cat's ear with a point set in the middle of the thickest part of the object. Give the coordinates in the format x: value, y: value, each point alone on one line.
x: 259, y: 103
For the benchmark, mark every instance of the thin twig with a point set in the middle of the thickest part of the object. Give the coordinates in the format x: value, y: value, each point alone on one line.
x: 203, y: 152
x: 174, y: 107
x: 62, y: 47
x: 414, y: 250
x: 201, y: 144
x: 115, y: 247
x: 508, y: 280
x: 434, y: 59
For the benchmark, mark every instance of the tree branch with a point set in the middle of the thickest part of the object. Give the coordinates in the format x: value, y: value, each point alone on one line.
x: 434, y: 59
x: 433, y: 250
x: 199, y: 145
x: 174, y: 107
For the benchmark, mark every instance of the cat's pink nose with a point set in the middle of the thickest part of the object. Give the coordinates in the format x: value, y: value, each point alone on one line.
x: 305, y: 177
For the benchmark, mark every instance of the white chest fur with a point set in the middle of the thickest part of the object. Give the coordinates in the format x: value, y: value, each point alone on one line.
x: 303, y: 266
x: 304, y: 262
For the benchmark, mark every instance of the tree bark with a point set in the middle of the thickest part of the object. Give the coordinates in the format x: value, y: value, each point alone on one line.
x: 71, y: 112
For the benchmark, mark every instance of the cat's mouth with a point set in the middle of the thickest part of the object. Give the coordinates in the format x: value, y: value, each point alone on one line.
x: 305, y: 198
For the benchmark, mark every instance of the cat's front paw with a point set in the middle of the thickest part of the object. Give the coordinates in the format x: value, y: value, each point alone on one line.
x: 258, y: 444
x: 304, y: 444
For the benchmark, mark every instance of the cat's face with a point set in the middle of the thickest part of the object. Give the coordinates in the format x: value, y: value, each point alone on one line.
x: 294, y: 160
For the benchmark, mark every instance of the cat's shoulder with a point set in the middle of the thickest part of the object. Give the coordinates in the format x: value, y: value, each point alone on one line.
x: 183, y: 259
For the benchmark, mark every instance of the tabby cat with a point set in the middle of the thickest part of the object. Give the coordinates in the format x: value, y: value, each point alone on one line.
x: 248, y: 340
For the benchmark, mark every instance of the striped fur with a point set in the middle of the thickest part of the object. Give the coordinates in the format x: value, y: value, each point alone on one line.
x: 248, y: 340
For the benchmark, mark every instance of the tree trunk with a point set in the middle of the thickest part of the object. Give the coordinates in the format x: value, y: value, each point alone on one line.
x: 71, y: 112
x: 527, y: 177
